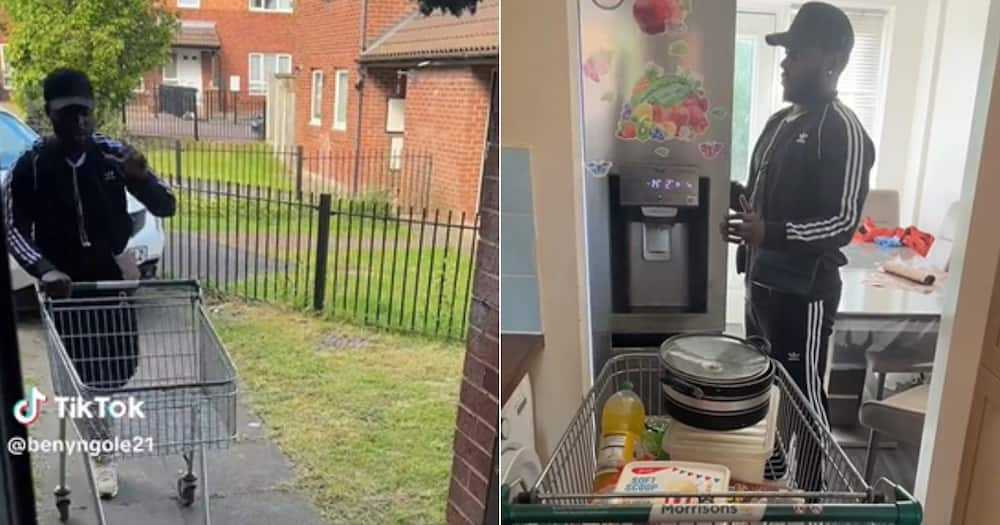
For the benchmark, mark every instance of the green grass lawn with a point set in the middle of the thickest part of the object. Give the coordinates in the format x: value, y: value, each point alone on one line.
x: 380, y: 271
x: 417, y: 291
x: 234, y: 163
x: 369, y: 429
x: 279, y: 214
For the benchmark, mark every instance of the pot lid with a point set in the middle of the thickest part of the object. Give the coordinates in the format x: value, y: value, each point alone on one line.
x: 713, y: 358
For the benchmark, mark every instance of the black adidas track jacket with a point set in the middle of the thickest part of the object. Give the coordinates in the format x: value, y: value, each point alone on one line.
x: 809, y: 180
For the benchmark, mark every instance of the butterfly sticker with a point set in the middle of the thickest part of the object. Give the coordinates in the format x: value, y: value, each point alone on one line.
x: 710, y: 150
x: 598, y: 65
x: 718, y: 113
x: 598, y: 169
x: 662, y: 151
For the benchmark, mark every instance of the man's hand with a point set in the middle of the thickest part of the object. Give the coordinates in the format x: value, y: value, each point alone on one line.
x: 746, y: 227
x: 135, y: 165
x: 56, y: 284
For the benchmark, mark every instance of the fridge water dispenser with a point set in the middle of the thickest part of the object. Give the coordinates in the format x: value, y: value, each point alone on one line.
x: 659, y: 250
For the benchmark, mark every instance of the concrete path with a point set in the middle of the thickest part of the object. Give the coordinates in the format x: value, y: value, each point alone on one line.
x: 251, y: 482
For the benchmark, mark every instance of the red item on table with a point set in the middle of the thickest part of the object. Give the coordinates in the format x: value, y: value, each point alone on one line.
x: 911, y: 237
x: 868, y: 232
x: 918, y: 241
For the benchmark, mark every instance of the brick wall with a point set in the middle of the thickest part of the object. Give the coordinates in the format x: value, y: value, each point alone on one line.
x: 380, y: 86
x: 446, y: 113
x: 478, y: 409
x: 328, y: 38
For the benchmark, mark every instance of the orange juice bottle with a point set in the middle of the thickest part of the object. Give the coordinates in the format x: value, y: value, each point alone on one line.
x: 623, y: 421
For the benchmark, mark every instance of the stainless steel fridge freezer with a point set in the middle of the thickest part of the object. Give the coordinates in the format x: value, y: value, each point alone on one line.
x: 656, y: 103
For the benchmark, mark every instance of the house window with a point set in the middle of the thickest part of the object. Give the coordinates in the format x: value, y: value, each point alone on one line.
x: 141, y: 88
x: 340, y: 93
x: 757, y: 88
x: 6, y: 71
x: 277, y: 6
x: 395, y: 152
x: 189, y: 4
x: 395, y: 115
x: 316, y: 109
x: 263, y: 66
x: 170, y: 70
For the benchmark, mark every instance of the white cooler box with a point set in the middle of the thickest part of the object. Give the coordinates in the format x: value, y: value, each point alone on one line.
x: 745, y: 452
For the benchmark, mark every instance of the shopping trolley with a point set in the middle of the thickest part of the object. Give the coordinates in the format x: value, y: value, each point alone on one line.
x: 150, y: 344
x: 562, y: 493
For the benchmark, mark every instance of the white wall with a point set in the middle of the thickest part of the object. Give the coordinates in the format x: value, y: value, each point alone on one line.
x: 905, y: 59
x: 945, y: 110
x: 977, y: 250
x: 540, y: 111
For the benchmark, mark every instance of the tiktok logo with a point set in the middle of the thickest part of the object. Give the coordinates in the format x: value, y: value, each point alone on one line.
x: 27, y: 410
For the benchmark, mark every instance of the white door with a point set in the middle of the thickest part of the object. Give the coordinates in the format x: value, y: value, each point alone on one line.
x: 189, y: 69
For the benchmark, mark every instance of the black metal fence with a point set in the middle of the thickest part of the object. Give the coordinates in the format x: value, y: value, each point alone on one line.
x: 183, y: 112
x: 403, y: 179
x: 400, y: 268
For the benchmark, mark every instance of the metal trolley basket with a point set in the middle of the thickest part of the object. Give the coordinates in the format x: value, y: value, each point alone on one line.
x: 562, y: 494
x: 149, y: 342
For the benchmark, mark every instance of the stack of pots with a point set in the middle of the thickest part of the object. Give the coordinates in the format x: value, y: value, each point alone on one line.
x: 715, y: 381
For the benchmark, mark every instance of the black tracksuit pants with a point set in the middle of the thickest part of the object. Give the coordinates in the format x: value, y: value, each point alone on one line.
x: 100, y: 335
x: 798, y: 329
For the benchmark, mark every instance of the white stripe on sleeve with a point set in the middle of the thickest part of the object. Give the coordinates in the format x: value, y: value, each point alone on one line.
x: 854, y: 166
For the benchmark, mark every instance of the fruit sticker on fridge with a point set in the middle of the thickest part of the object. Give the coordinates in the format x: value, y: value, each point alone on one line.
x: 663, y: 108
x: 656, y: 17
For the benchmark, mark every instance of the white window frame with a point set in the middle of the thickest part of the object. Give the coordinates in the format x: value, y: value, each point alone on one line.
x: 288, y: 10
x: 341, y: 125
x: 174, y: 79
x: 782, y: 9
x: 396, y: 155
x: 395, y: 106
x: 188, y: 4
x: 316, y: 99
x: 142, y: 86
x: 255, y: 84
x: 8, y: 79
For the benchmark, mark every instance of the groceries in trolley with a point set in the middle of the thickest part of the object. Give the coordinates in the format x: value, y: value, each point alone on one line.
x: 622, y: 423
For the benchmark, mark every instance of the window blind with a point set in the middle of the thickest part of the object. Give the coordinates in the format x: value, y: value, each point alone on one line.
x: 860, y: 86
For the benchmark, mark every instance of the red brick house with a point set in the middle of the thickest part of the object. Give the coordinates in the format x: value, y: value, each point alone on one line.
x: 6, y: 80
x: 378, y: 76
x: 221, y: 45
x: 228, y: 45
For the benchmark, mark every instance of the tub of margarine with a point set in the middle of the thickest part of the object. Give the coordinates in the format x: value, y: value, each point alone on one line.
x: 675, y: 477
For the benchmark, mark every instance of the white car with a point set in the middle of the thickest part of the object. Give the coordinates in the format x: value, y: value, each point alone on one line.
x: 147, y: 239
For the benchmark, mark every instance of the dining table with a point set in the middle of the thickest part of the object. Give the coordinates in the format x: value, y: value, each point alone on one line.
x: 886, y: 325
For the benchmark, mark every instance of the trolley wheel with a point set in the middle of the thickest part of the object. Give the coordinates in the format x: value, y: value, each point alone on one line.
x: 186, y: 485
x: 62, y: 505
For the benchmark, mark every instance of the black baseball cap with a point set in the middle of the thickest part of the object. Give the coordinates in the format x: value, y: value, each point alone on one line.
x: 68, y: 87
x: 819, y: 25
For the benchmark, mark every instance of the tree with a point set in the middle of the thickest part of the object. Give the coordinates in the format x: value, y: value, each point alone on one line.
x: 114, y: 41
x: 455, y: 7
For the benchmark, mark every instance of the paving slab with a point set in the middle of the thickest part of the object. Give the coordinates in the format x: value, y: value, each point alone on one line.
x: 250, y: 482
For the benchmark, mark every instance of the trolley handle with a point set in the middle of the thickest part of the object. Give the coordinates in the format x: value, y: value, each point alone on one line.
x: 94, y: 286
x: 132, y: 285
